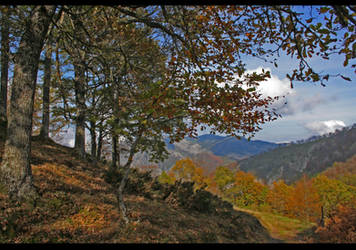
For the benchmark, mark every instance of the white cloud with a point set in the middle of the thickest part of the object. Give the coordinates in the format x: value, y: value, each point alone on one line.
x: 292, y: 100
x: 324, y: 127
x: 273, y: 86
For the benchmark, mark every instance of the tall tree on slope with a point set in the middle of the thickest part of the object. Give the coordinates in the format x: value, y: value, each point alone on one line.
x: 15, y: 170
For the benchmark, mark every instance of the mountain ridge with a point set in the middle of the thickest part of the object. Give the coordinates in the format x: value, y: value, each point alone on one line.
x: 209, y: 150
x: 310, y: 156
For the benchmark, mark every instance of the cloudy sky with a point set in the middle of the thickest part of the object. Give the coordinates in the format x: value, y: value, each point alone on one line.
x: 309, y: 108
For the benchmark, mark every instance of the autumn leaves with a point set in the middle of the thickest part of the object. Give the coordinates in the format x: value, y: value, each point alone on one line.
x: 303, y: 200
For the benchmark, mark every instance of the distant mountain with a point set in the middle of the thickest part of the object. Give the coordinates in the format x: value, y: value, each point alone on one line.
x: 309, y: 157
x: 183, y: 149
x: 234, y: 148
x: 210, y: 151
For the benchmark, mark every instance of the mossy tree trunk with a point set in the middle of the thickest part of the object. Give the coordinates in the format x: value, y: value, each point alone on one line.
x: 15, y: 170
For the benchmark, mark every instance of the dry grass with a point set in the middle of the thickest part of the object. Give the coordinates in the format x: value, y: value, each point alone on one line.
x: 77, y: 205
x: 281, y: 227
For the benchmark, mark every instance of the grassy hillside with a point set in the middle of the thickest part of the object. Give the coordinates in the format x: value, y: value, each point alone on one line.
x: 77, y: 204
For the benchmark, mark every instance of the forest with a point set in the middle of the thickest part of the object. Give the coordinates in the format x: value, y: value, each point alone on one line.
x: 327, y: 199
x: 128, y: 77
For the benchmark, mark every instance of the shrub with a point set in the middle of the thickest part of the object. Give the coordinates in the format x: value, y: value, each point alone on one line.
x: 340, y: 227
x: 202, y: 201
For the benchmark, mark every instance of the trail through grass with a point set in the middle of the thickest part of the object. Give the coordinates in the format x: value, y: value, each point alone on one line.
x: 281, y: 227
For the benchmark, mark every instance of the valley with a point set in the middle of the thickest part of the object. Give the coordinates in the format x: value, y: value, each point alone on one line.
x: 268, y: 161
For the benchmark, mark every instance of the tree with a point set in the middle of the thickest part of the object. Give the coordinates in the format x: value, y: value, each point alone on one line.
x: 97, y: 111
x: 333, y: 193
x: 5, y: 50
x: 247, y: 191
x: 224, y: 177
x: 15, y: 169
x: 304, y: 203
x: 78, y: 57
x: 46, y: 117
x: 278, y: 196
x: 186, y: 170
x: 165, y: 178
x: 70, y: 38
x: 44, y: 132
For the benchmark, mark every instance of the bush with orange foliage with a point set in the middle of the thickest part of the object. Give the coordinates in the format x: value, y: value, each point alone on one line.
x: 186, y: 170
x: 340, y: 227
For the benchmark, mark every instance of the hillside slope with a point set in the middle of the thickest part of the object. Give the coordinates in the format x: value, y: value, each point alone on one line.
x: 291, y: 162
x: 78, y: 205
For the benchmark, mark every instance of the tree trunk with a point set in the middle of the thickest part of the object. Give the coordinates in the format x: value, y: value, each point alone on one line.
x: 93, y: 140
x: 44, y: 132
x: 15, y: 170
x: 120, y: 196
x: 115, y: 137
x: 79, y: 85
x: 5, y: 49
x: 126, y: 170
x: 100, y: 144
x: 322, y: 222
x: 80, y: 103
x: 114, y: 152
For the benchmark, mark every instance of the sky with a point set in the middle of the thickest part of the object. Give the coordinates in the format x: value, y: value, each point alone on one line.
x: 308, y: 108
